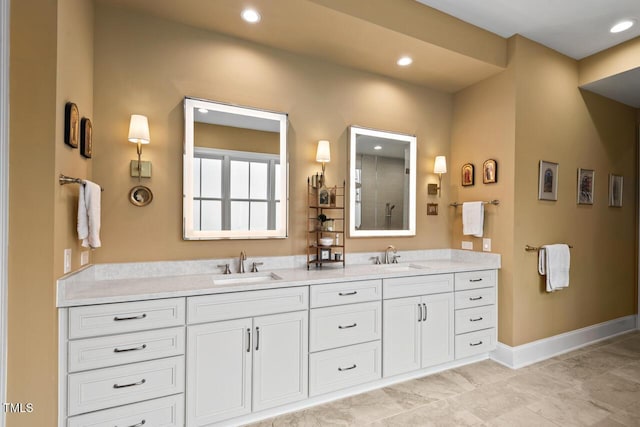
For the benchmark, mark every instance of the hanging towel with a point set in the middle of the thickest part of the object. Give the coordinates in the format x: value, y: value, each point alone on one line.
x: 554, y: 262
x: 89, y: 215
x: 472, y: 218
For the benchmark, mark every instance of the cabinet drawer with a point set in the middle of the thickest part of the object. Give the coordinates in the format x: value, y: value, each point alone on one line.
x: 163, y: 412
x: 345, y: 325
x: 417, y: 285
x: 475, y: 297
x: 109, y: 319
x: 344, y: 367
x: 475, y: 279
x: 92, y: 353
x: 345, y: 293
x: 236, y: 305
x: 475, y: 343
x: 109, y: 387
x: 474, y: 319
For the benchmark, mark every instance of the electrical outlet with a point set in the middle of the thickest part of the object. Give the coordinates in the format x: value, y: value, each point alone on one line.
x: 67, y: 261
x: 467, y: 245
x: 486, y: 245
x: 84, y: 258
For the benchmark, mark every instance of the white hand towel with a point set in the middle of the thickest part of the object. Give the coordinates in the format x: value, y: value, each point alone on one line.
x: 472, y: 218
x: 554, y: 262
x: 89, y: 215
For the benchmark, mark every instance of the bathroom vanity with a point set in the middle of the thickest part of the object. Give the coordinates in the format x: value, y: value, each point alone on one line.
x: 139, y: 346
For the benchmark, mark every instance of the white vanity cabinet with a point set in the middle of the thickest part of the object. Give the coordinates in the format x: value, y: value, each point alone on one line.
x: 248, y: 364
x: 418, y: 329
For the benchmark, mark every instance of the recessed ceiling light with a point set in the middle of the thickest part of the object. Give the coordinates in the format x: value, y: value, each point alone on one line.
x: 203, y: 110
x: 404, y: 61
x: 378, y: 147
x: 250, y: 15
x: 622, y: 26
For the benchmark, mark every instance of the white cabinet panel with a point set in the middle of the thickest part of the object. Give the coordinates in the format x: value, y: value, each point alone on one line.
x: 437, y: 329
x: 475, y: 297
x: 345, y: 325
x: 401, y: 335
x: 474, y: 319
x: 475, y: 279
x: 475, y: 343
x: 417, y: 285
x: 219, y: 359
x: 280, y: 359
x: 345, y: 293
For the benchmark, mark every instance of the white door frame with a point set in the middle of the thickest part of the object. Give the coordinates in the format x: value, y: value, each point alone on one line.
x: 4, y: 194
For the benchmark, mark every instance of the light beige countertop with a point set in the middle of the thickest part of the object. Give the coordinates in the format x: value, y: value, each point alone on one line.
x: 109, y: 283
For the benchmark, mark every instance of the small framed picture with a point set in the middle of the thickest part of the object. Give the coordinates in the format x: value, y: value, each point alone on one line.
x: 490, y: 172
x: 468, y: 175
x: 325, y: 254
x: 324, y: 197
x: 86, y: 147
x: 585, y: 186
x: 71, y: 124
x: 432, y: 209
x: 548, y: 181
x: 615, y: 190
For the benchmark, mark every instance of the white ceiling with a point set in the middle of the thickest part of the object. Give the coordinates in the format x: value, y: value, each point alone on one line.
x: 576, y: 28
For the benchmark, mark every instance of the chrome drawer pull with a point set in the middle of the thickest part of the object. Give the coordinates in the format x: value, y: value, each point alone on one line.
x: 129, y: 385
x: 123, y: 350
x: 420, y: 315
x: 475, y: 320
x: 141, y: 423
x: 475, y: 298
x: 348, y: 326
x: 472, y: 344
x: 347, y: 369
x: 476, y: 280
x: 257, y: 338
x: 142, y: 316
x: 424, y: 318
x: 344, y: 294
x: 248, y: 340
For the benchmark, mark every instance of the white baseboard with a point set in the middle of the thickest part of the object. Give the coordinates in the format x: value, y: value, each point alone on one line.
x: 527, y: 354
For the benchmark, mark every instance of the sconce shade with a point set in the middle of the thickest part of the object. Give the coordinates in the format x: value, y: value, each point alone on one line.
x: 324, y: 152
x: 139, y: 129
x: 440, y: 165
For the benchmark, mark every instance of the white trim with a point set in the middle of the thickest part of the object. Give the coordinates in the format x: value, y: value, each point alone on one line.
x: 536, y: 351
x: 4, y: 194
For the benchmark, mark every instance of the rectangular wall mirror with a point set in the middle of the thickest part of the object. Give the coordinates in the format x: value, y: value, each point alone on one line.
x: 235, y: 172
x: 382, y: 183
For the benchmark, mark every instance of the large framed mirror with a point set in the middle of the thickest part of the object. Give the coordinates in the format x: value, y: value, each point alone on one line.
x: 382, y: 183
x: 235, y: 172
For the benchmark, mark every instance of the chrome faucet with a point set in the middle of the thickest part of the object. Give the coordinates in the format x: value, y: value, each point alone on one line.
x: 241, y: 260
x: 386, y: 254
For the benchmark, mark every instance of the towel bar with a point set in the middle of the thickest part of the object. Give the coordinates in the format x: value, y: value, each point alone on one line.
x: 530, y: 248
x: 64, y: 180
x: 490, y: 202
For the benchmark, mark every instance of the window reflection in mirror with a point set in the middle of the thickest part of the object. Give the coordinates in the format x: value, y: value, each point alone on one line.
x: 234, y: 181
x: 382, y: 183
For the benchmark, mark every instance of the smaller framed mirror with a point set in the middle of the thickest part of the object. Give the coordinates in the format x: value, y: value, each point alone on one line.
x: 382, y: 183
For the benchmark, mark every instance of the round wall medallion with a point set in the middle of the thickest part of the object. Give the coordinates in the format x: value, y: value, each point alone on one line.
x: 140, y: 195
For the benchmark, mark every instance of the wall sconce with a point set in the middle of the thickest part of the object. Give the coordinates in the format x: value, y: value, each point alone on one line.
x: 323, y: 155
x: 439, y: 167
x: 139, y: 134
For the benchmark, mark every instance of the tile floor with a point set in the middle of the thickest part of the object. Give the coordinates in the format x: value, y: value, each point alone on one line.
x: 598, y: 385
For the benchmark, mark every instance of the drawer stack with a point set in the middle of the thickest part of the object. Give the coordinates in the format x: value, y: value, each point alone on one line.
x: 344, y: 335
x: 476, y: 312
x: 126, y: 364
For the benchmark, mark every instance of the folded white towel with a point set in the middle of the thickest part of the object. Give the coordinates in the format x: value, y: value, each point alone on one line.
x: 472, y: 218
x: 554, y: 262
x: 89, y: 215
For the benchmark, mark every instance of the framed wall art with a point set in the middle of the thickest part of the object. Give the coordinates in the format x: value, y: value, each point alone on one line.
x: 71, y: 125
x: 490, y: 172
x: 585, y: 186
x: 86, y: 144
x: 615, y: 190
x: 468, y: 175
x: 548, y: 181
x: 324, y: 197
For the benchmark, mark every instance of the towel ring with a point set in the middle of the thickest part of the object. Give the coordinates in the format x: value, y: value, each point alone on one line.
x: 140, y: 195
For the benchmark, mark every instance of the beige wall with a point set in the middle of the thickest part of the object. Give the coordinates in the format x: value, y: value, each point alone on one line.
x: 133, y: 75
x: 618, y: 59
x: 232, y: 138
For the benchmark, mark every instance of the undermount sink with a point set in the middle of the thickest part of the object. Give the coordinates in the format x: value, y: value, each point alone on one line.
x: 247, y: 278
x: 400, y: 267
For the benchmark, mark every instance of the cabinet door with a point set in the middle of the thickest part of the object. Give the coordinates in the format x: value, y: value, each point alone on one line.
x: 437, y: 329
x: 218, y: 371
x: 401, y: 335
x: 280, y: 359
